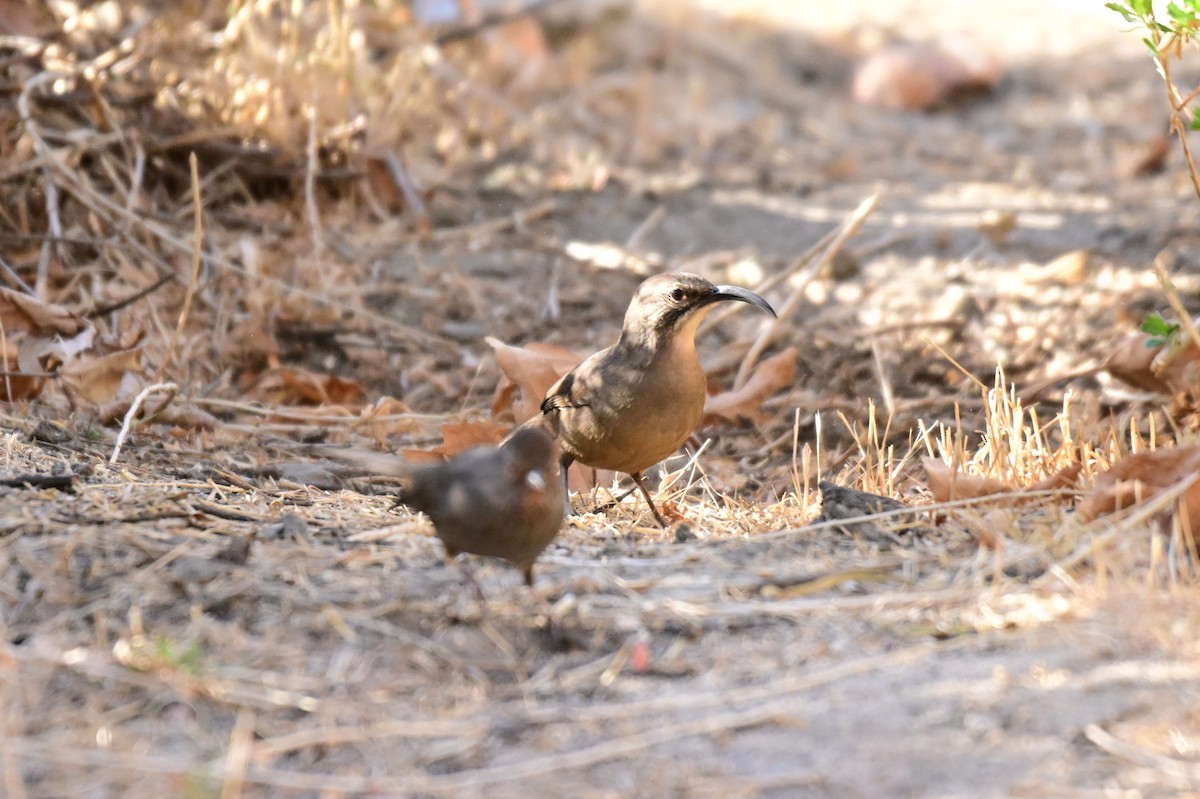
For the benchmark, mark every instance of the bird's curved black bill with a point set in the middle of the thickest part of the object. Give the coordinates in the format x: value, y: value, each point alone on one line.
x: 721, y: 293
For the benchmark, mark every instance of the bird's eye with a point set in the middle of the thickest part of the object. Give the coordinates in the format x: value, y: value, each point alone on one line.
x: 678, y: 295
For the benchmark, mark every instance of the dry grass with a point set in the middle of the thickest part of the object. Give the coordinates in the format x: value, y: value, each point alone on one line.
x: 250, y: 188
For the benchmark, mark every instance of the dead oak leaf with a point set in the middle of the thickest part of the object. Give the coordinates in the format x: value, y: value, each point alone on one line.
x: 461, y: 436
x: 420, y: 457
x: 291, y: 386
x: 106, y: 379
x: 769, y: 377
x: 923, y: 76
x: 388, y: 416
x: 1066, y: 477
x: 16, y: 385
x: 1169, y: 367
x: 1140, y: 477
x: 527, y: 374
x: 946, y: 483
x: 1132, y: 362
x: 50, y: 353
x: 458, y: 437
x: 21, y: 312
x: 39, y: 339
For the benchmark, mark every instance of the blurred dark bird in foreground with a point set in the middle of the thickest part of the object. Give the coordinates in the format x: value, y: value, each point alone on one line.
x: 503, y: 502
x: 630, y: 406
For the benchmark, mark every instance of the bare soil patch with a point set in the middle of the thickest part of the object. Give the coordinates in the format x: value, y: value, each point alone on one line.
x: 228, y: 611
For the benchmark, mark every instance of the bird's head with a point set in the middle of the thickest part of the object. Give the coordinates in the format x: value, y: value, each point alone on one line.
x: 532, y: 455
x: 675, y: 303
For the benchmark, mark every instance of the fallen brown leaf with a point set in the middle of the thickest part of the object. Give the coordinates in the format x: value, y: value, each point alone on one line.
x: 461, y: 436
x: 1132, y: 362
x: 419, y: 457
x: 382, y: 186
x: 946, y: 484
x: 106, y: 379
x: 1170, y: 368
x: 582, y: 479
x: 388, y: 416
x: 15, y: 387
x: 1066, y: 477
x: 39, y: 338
x: 528, y: 373
x: 289, y: 386
x: 20, y: 312
x: 48, y: 353
x: 458, y: 437
x: 1141, y: 476
x: 919, y: 77
x: 186, y: 419
x: 770, y: 376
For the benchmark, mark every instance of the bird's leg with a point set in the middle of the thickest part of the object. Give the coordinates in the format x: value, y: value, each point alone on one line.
x: 615, y: 501
x: 554, y: 631
x: 637, y: 478
x: 468, y: 578
x: 554, y: 628
x: 564, y: 463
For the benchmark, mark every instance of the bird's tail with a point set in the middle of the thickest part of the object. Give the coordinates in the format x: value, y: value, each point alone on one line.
x: 365, y: 462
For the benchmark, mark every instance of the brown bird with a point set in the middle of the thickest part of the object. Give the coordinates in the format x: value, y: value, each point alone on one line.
x: 504, y: 502
x: 630, y: 406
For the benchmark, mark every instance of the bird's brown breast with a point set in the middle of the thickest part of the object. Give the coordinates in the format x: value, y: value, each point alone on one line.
x: 628, y: 416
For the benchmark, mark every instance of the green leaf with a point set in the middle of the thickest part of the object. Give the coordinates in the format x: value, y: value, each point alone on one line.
x: 1128, y: 15
x: 1143, y: 8
x: 1153, y: 49
x: 1158, y: 329
x: 1195, y: 123
x: 1156, y: 325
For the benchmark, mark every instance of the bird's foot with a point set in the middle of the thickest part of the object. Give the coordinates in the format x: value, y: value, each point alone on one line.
x: 641, y: 484
x: 553, y: 628
x: 466, y: 609
x: 554, y: 635
x: 470, y: 606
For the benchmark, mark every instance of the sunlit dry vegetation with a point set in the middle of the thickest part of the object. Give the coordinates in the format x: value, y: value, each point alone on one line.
x: 259, y: 258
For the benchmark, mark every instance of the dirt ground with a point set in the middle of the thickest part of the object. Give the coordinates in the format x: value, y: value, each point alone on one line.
x: 193, y: 621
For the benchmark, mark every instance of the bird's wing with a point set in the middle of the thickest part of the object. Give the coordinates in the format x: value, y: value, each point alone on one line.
x: 563, y: 394
x: 578, y: 387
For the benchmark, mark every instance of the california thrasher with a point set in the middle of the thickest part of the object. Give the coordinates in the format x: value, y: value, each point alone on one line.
x: 630, y: 406
x: 503, y: 501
